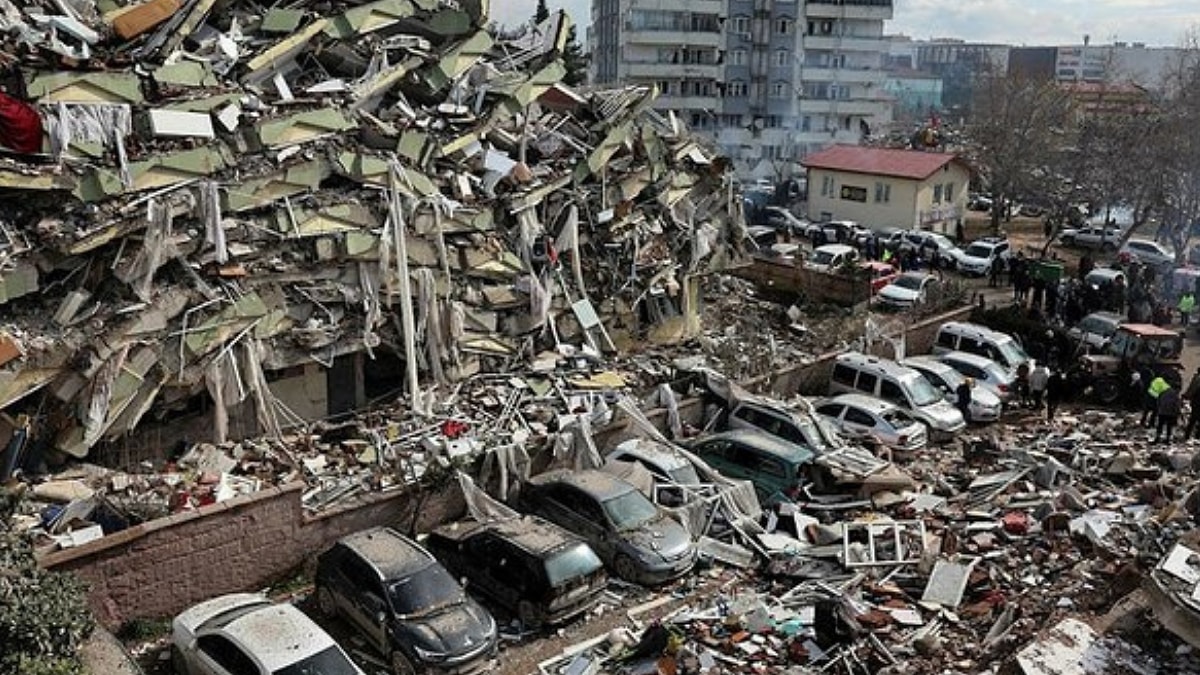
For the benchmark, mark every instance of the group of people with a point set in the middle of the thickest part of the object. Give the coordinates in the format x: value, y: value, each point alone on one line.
x: 1162, y: 404
x: 1040, y: 385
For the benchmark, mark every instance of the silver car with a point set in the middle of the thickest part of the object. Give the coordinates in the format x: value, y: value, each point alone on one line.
x: 1095, y: 330
x: 986, y: 406
x: 873, y: 421
x: 983, y: 370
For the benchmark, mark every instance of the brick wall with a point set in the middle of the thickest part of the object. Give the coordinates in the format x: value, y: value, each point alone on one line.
x: 157, y: 569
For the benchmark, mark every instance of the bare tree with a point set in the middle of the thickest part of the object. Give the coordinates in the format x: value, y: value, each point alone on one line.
x: 1020, y: 134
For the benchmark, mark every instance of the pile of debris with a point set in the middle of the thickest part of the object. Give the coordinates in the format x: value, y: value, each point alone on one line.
x: 1042, y: 549
x: 205, y: 198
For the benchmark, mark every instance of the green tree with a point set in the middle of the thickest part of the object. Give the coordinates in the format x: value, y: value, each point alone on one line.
x: 44, y: 617
x: 575, y: 60
x: 541, y: 13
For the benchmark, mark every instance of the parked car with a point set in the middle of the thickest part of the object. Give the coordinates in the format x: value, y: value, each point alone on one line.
x: 809, y: 431
x: 982, y: 255
x: 983, y: 370
x: 661, y: 459
x: 634, y: 537
x: 881, y: 274
x: 830, y: 257
x: 979, y: 203
x: 921, y: 240
x: 963, y: 336
x: 985, y: 406
x: 833, y: 231
x: 532, y: 567
x: 247, y: 634
x: 873, y: 421
x: 774, y: 466
x: 1095, y: 330
x: 781, y: 219
x: 1091, y: 236
x: 1148, y: 252
x: 1103, y: 277
x: 907, y: 290
x: 907, y: 388
x: 405, y: 603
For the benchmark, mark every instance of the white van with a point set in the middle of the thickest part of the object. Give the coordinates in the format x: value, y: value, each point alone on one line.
x: 961, y: 336
x: 903, y: 386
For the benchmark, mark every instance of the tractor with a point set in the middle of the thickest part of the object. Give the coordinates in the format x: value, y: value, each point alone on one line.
x: 1106, y: 377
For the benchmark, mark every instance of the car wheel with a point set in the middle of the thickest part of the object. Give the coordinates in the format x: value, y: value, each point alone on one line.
x: 401, y: 665
x: 528, y: 615
x: 178, y: 665
x: 625, y: 568
x: 325, y: 602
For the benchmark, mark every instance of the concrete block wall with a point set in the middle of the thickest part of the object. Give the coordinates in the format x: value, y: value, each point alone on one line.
x: 157, y: 569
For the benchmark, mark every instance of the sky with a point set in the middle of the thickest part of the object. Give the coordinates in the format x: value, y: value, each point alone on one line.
x: 1159, y: 23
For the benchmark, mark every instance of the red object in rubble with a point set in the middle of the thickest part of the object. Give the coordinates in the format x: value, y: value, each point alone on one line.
x: 453, y: 429
x: 20, y: 125
x: 1016, y: 522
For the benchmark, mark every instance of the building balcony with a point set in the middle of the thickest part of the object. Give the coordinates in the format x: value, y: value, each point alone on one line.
x: 693, y: 6
x: 831, y: 9
x: 845, y: 44
x: 681, y: 103
x: 672, y: 38
x: 671, y: 71
x: 841, y: 107
x: 841, y: 75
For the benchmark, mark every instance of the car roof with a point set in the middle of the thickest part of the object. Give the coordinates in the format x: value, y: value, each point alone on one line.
x: 968, y: 328
x: 886, y: 365
x: 393, y: 554
x: 1107, y: 316
x: 875, y: 405
x: 974, y: 359
x: 600, y: 485
x: 834, y: 248
x: 651, y: 451
x: 528, y: 533
x: 763, y: 442
x: 918, y: 275
x: 277, y: 634
x: 925, y: 361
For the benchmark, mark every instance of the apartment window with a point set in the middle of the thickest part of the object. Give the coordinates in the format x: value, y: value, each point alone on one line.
x: 783, y: 26
x: 782, y: 57
x: 806, y: 123
x: 772, y: 122
x: 741, y: 24
x: 663, y: 86
x: 731, y: 121
x: 737, y: 57
x: 883, y: 193
x: 937, y: 193
x: 853, y: 193
x: 736, y: 89
x: 778, y: 90
x: 949, y: 194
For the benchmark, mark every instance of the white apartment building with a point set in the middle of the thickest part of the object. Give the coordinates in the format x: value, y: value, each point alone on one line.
x: 769, y: 80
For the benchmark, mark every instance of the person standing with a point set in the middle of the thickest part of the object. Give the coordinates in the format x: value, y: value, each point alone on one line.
x: 962, y: 396
x: 1187, y: 304
x: 1192, y: 394
x: 1169, y: 405
x: 1038, y: 379
x: 1158, y: 385
x: 1055, y: 388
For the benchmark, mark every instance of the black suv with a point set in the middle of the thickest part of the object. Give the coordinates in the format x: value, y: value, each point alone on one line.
x: 534, y: 568
x: 405, y: 603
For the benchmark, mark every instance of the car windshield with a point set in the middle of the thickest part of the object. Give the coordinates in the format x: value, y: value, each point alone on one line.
x: 911, y: 282
x: 630, y: 510
x: 1012, y: 352
x: 922, y: 392
x: 822, y: 257
x: 572, y: 562
x: 685, y: 475
x: 898, y: 419
x: 979, y: 250
x: 941, y: 242
x: 330, y: 661
x: 425, y: 591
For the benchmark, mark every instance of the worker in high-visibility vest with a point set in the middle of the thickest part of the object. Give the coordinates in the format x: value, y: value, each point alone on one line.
x: 1150, y: 409
x: 1187, y: 305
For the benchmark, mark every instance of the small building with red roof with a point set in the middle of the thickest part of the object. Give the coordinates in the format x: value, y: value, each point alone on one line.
x: 884, y: 187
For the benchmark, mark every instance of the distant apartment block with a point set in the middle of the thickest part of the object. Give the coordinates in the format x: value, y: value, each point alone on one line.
x: 769, y: 80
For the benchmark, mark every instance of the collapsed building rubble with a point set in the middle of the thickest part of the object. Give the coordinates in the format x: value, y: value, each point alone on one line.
x: 225, y: 199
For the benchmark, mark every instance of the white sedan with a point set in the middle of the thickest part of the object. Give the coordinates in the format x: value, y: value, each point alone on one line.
x: 247, y: 634
x: 875, y: 421
x: 907, y: 290
x: 1149, y: 252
